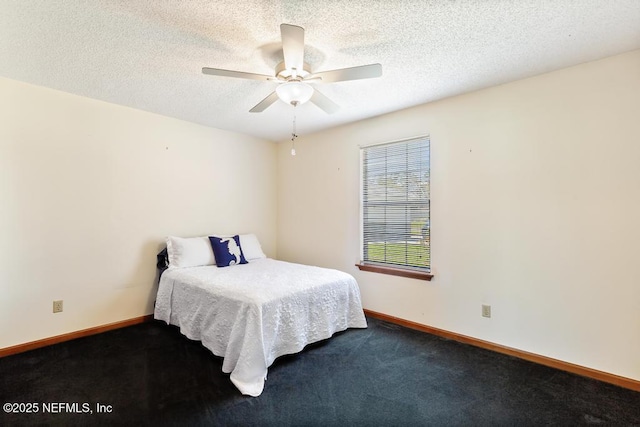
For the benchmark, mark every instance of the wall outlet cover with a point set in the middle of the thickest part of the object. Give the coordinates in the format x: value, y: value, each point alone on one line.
x: 486, y: 310
x: 57, y: 306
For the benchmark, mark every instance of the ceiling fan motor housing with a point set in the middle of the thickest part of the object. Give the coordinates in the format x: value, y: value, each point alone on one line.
x: 282, y: 73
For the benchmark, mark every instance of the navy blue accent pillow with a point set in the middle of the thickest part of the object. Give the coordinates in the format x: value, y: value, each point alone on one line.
x: 227, y: 250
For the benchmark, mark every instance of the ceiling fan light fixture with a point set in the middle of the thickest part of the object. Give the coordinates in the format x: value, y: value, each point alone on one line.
x: 294, y: 75
x: 294, y: 92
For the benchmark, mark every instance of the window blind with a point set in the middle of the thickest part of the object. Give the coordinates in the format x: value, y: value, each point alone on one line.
x: 395, y: 204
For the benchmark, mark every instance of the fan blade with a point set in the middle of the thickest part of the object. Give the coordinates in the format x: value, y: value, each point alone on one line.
x: 324, y: 103
x: 262, y: 105
x: 237, y: 74
x: 353, y: 73
x: 293, y: 46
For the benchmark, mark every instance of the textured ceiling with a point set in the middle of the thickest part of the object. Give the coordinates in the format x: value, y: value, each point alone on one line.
x: 149, y: 54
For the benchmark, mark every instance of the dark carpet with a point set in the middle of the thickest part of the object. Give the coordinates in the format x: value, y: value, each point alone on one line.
x: 385, y: 375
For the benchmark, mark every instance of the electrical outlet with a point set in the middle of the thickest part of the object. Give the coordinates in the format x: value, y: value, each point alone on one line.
x: 57, y: 306
x: 486, y: 310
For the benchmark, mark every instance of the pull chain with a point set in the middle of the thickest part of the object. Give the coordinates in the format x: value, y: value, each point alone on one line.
x: 293, y: 134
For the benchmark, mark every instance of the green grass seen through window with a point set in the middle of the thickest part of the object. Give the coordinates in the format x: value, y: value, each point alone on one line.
x: 410, y: 254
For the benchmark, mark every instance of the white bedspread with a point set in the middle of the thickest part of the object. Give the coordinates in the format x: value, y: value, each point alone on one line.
x: 252, y: 313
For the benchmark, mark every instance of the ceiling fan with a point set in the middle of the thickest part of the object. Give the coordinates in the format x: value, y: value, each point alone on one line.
x: 294, y: 75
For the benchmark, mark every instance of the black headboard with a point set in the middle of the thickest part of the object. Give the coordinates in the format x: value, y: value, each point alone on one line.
x: 163, y: 261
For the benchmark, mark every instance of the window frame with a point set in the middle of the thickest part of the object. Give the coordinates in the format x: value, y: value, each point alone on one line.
x: 385, y: 268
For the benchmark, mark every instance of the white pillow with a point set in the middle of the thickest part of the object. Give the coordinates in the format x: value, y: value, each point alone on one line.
x: 251, y: 247
x: 189, y: 252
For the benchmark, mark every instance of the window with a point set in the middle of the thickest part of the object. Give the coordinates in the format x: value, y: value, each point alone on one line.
x: 395, y: 208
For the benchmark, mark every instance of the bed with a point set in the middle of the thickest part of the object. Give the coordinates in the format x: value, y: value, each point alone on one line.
x: 250, y: 314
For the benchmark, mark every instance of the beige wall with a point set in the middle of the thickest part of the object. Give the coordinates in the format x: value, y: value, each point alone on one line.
x: 89, y: 190
x: 535, y: 211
